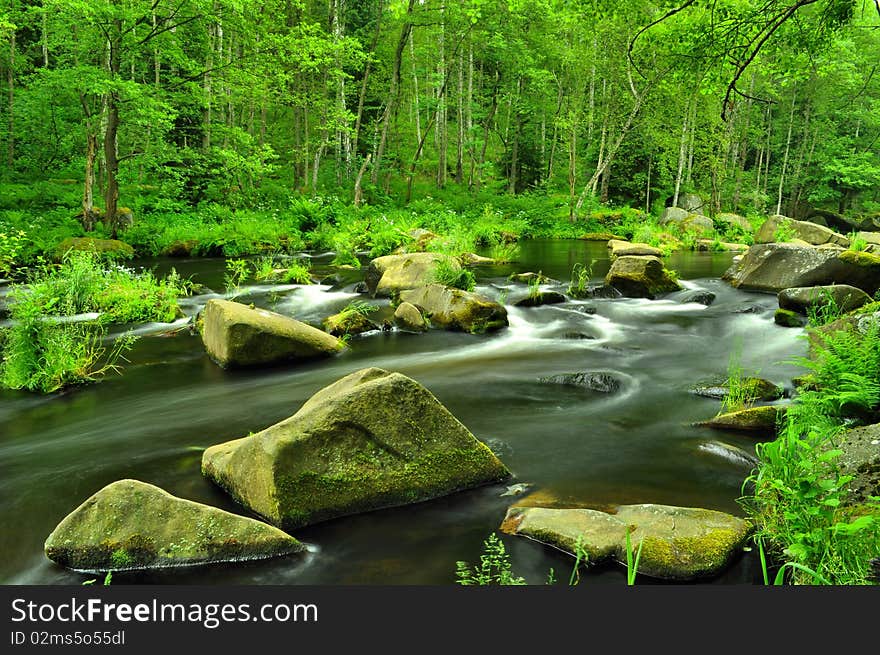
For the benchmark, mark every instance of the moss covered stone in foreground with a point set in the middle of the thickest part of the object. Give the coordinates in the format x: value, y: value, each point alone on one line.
x: 678, y: 543
x: 373, y: 439
x: 134, y: 525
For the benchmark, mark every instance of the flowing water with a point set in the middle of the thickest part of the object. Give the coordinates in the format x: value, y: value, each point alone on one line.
x: 635, y: 445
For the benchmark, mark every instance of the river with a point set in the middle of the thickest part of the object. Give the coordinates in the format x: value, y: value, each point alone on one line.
x: 636, y: 445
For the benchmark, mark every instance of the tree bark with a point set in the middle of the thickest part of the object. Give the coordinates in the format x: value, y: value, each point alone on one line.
x: 393, y: 92
x: 111, y: 153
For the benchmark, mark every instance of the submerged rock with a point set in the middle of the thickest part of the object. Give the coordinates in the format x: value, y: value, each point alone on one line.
x: 454, y: 309
x: 394, y: 273
x: 678, y: 543
x: 408, y: 317
x: 531, y: 277
x: 541, y: 298
x: 789, y: 319
x: 134, y: 525
x: 842, y: 296
x: 700, y: 297
x: 600, y: 382
x: 236, y: 335
x: 730, y: 453
x: 373, y: 439
x: 776, y: 266
x: 640, y: 277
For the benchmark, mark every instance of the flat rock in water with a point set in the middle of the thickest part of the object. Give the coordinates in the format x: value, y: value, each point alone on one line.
x: 755, y: 388
x: 600, y: 382
x: 236, y: 335
x: 134, y: 525
x: 789, y: 319
x: 618, y: 248
x: 531, y: 277
x: 678, y: 543
x: 372, y: 439
x: 762, y: 420
x: 351, y: 322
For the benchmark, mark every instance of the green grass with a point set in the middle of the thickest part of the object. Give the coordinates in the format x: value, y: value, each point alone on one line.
x: 450, y: 276
x: 856, y: 242
x: 579, y: 285
x: 784, y: 231
x: 494, y: 567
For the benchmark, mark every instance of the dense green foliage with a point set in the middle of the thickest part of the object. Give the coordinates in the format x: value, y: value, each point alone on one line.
x: 802, y: 502
x: 211, y: 121
x: 45, y: 351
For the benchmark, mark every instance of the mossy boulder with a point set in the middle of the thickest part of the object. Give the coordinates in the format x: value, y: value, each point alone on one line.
x: 640, y: 277
x: 409, y: 318
x: 812, y: 233
x: 371, y: 440
x: 391, y: 274
x: 134, y: 525
x: 473, y: 259
x: 180, y: 248
x: 236, y: 335
x: 348, y: 322
x: 106, y: 248
x: 762, y: 420
x: 788, y: 318
x: 803, y: 299
x: 454, y: 309
x: 772, y: 267
x: 618, y: 248
x: 678, y: 543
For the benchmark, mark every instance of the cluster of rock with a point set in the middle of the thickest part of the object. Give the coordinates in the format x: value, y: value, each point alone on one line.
x: 815, y: 267
x: 371, y: 440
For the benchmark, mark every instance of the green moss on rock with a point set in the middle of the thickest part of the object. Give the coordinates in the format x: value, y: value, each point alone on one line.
x: 133, y: 525
x: 372, y: 439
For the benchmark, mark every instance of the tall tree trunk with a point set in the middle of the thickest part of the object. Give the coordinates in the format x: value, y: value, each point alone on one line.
x: 111, y: 153
x: 487, y: 124
x: 682, y: 151
x: 88, y: 204
x: 10, y: 81
x: 442, y: 127
x: 459, y: 151
x: 785, y: 153
x: 393, y: 92
x: 363, y: 92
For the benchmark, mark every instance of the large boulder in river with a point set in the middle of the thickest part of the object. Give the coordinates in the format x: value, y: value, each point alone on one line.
x: 678, y: 543
x: 812, y: 233
x: 134, y: 525
x: 349, y: 322
x: 640, y: 277
x: 373, y: 439
x: 390, y: 274
x: 773, y: 267
x: 455, y: 309
x: 842, y: 296
x: 236, y: 335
